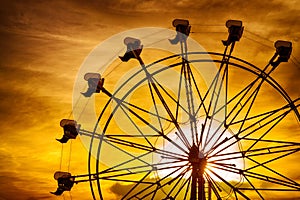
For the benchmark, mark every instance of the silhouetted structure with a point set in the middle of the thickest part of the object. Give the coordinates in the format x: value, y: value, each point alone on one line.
x: 65, y: 182
x: 183, y: 29
x: 193, y: 171
x: 70, y: 130
x: 95, y: 84
x: 283, y: 51
x: 134, y: 49
x: 235, y: 30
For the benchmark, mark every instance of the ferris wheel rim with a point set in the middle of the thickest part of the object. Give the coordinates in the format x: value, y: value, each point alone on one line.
x: 270, y: 80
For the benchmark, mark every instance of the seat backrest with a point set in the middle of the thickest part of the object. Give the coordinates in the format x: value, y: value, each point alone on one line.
x: 90, y: 75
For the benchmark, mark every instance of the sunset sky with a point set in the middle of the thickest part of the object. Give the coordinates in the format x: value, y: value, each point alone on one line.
x: 44, y: 43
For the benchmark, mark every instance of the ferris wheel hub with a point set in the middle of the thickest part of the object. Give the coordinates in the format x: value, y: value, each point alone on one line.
x: 197, y: 159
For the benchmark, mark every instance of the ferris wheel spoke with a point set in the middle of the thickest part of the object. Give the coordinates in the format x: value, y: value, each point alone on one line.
x: 245, y: 95
x: 224, y: 167
x: 136, y: 127
x: 260, y: 177
x: 153, y: 85
x: 281, y: 147
x: 155, y: 105
x: 154, y: 167
x: 261, y: 123
x: 249, y: 96
x: 179, y: 178
x: 170, y: 155
x: 192, y: 85
x: 198, y: 93
x: 115, y: 167
x: 252, y: 96
x: 264, y: 115
x: 154, y: 128
x: 242, y: 94
x: 136, y: 185
x: 174, y: 121
x: 133, y: 145
x: 212, y: 103
x: 151, y: 188
x: 274, y: 171
x: 227, y: 158
x: 206, y: 95
x: 178, y: 105
x: 185, y: 184
x: 128, y: 174
x: 185, y: 75
x: 162, y: 100
x: 187, y: 187
x: 179, y: 95
x: 216, y: 135
x: 137, y: 116
x: 214, y: 186
x: 274, y: 141
x: 270, y: 189
x: 268, y: 151
x: 228, y: 184
x: 122, y: 105
x: 177, y: 101
x: 288, y: 152
x: 127, y: 181
x: 147, y: 111
x: 207, y: 117
x: 272, y: 180
x: 99, y: 136
x: 216, y: 87
x: 129, y: 154
x: 275, y: 122
x: 253, y: 187
x: 251, y: 99
x: 130, y: 144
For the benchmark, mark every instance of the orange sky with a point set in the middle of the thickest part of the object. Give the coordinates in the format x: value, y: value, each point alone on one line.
x: 43, y: 44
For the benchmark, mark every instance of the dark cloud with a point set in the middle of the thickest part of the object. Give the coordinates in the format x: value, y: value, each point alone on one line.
x: 119, y: 189
x: 11, y: 179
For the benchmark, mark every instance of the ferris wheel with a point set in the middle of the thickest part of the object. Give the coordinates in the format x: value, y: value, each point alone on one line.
x: 191, y: 125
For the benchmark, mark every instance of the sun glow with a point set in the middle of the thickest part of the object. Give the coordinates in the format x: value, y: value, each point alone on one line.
x: 219, y: 148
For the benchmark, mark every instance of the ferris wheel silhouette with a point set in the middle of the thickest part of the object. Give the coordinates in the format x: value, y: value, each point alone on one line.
x: 191, y: 125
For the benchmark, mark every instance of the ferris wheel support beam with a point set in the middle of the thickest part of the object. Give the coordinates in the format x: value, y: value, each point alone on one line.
x: 186, y: 70
x: 214, y: 84
x: 152, y: 83
x: 235, y: 30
